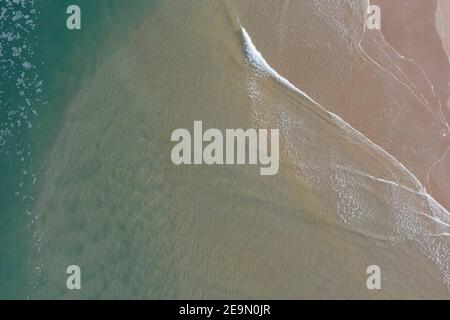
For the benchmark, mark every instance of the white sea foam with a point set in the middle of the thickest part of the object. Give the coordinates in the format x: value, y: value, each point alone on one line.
x: 255, y: 58
x: 409, y: 218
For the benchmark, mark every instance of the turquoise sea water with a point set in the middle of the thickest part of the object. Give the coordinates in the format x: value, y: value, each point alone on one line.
x: 41, y: 64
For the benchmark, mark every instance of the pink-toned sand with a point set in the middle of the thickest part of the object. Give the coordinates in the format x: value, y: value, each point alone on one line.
x: 410, y: 26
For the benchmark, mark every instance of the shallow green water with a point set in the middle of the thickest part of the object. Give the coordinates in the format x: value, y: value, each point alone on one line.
x: 42, y: 64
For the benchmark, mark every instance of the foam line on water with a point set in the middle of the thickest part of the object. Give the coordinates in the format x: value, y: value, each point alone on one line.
x: 255, y: 58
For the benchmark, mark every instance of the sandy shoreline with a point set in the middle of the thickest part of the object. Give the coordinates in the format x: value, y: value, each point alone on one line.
x: 362, y: 78
x: 394, y: 101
